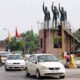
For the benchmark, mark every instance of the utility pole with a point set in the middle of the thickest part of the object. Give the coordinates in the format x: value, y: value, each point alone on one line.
x: 8, y: 38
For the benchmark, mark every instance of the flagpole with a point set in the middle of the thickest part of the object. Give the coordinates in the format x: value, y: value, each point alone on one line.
x: 8, y: 38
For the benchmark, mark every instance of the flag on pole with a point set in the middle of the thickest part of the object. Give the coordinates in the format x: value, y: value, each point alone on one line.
x: 17, y: 34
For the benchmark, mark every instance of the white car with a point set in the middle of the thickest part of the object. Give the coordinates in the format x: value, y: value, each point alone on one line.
x: 26, y: 56
x: 3, y: 56
x: 14, y: 61
x: 77, y: 62
x: 44, y: 65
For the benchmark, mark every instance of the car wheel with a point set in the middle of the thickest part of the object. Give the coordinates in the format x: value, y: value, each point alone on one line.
x: 27, y: 73
x: 6, y: 68
x: 38, y: 74
x: 62, y: 77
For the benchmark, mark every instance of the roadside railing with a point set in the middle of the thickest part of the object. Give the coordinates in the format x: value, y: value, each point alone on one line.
x: 49, y: 25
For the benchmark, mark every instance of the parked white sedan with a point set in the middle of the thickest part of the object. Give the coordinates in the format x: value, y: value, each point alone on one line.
x: 14, y: 61
x: 44, y: 65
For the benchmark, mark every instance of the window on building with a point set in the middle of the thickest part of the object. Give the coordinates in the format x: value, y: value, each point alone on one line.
x: 41, y: 43
x: 57, y: 41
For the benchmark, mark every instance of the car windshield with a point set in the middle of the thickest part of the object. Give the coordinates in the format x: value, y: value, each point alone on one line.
x: 46, y: 58
x: 14, y: 57
x: 3, y: 54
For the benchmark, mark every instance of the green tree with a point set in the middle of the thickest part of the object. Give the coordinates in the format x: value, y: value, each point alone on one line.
x: 57, y: 40
x: 29, y: 42
x: 76, y: 34
x: 32, y: 42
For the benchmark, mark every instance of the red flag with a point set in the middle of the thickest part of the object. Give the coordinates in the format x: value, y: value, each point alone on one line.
x: 17, y: 34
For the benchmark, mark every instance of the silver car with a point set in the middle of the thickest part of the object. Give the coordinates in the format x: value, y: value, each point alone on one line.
x: 14, y: 61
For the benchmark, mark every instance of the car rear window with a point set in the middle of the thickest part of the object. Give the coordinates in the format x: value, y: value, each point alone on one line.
x: 3, y: 54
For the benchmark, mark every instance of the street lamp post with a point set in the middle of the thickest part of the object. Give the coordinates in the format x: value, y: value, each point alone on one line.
x: 8, y: 38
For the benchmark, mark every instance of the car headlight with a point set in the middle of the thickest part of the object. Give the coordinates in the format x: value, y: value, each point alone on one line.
x: 23, y: 63
x: 44, y: 68
x: 62, y: 68
x: 9, y: 63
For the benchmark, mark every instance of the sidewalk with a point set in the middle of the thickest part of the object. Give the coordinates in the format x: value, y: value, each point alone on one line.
x: 77, y: 62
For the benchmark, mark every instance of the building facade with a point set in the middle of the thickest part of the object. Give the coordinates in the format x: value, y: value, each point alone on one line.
x: 62, y: 38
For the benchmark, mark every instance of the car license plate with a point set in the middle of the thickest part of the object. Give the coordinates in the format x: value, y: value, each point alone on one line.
x: 16, y: 65
x: 55, y: 71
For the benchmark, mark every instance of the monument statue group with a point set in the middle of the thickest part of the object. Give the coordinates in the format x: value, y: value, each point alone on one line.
x: 58, y: 13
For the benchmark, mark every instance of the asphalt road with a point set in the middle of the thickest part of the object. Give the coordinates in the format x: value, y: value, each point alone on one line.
x: 72, y: 74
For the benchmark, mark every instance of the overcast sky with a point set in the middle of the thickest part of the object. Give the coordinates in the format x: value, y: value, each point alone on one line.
x: 26, y: 13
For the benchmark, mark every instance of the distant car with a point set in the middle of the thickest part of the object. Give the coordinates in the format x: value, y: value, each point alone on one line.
x: 77, y: 60
x: 14, y: 61
x: 44, y: 65
x: 3, y: 56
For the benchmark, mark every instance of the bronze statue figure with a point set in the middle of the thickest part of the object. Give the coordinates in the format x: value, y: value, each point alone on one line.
x: 46, y: 16
x: 55, y: 14
x: 63, y: 13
